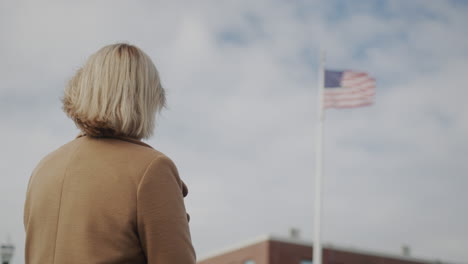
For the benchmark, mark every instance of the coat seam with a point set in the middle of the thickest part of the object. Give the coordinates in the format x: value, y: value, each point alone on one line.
x: 137, y: 193
x: 146, y: 171
x: 60, y: 201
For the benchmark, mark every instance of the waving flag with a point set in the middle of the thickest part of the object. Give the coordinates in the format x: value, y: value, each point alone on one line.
x: 348, y: 89
x: 336, y: 89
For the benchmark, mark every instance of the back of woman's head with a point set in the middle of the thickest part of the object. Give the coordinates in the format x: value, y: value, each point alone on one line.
x: 116, y: 93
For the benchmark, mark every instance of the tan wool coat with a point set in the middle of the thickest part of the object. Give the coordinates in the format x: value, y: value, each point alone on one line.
x: 107, y: 201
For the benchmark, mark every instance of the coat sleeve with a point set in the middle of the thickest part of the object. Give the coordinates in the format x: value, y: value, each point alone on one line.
x: 161, y: 216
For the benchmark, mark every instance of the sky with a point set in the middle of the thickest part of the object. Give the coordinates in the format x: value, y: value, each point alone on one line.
x: 241, y: 83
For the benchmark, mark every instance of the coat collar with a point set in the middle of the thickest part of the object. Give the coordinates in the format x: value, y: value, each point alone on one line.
x: 128, y: 139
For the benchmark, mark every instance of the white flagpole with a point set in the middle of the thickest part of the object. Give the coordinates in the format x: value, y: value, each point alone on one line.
x: 317, y: 246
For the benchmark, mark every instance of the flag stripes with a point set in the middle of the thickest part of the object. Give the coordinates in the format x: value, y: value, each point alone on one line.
x: 348, y: 89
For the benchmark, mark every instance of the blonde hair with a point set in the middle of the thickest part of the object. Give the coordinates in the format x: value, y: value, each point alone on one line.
x: 117, y: 93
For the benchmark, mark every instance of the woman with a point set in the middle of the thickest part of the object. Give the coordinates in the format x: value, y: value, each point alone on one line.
x: 107, y: 197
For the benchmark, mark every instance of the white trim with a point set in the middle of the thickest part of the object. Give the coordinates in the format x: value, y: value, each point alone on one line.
x: 308, y: 243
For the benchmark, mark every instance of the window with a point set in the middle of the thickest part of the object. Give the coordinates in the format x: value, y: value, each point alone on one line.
x: 249, y: 262
x: 305, y: 261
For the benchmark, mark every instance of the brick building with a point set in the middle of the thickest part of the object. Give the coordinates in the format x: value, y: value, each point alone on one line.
x: 275, y: 250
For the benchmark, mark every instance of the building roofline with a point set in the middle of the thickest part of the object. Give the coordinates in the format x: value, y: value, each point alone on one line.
x: 308, y: 243
x: 382, y: 254
x: 235, y: 247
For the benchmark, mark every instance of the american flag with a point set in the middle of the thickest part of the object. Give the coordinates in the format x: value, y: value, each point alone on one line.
x: 348, y: 89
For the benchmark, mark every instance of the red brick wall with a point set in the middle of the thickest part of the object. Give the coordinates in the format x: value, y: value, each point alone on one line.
x: 331, y: 256
x: 257, y: 252
x: 276, y: 252
x: 286, y: 253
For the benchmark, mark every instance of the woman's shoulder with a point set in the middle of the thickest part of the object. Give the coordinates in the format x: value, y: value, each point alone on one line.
x: 120, y: 148
x: 117, y: 144
x: 107, y: 146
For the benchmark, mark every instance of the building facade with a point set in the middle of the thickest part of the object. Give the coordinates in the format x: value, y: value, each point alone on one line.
x: 275, y: 250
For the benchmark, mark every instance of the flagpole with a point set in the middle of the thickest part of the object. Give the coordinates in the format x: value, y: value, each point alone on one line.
x: 317, y: 246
